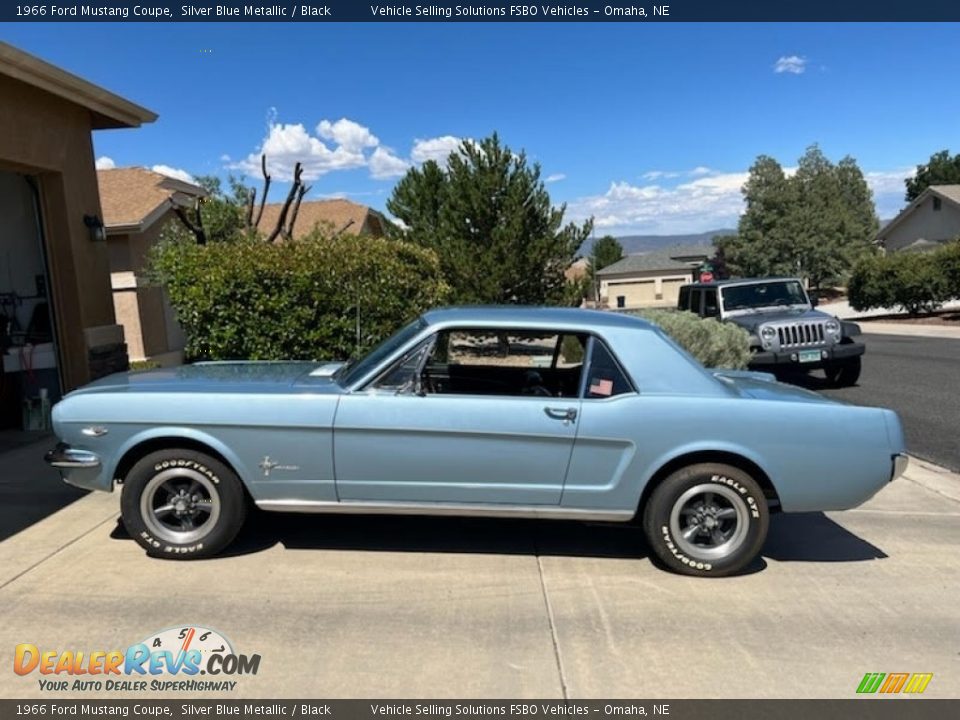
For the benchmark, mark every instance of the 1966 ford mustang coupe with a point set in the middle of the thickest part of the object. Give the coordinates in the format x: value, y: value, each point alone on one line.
x: 519, y: 412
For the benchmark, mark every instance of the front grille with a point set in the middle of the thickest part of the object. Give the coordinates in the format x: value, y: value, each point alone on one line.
x: 801, y: 334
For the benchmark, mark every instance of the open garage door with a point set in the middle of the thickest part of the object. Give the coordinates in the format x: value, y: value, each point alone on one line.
x: 29, y: 380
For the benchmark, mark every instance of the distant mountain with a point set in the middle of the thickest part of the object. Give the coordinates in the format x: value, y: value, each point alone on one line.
x: 645, y: 243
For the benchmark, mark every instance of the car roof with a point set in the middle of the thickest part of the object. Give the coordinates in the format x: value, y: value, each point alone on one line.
x: 525, y: 315
x: 739, y: 281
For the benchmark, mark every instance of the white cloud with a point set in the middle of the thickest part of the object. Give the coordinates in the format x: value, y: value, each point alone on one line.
x: 556, y: 177
x: 105, y: 163
x: 889, y: 190
x: 793, y: 64
x: 384, y: 164
x: 175, y: 173
x: 287, y: 144
x: 706, y: 203
x: 347, y: 134
x: 437, y: 149
x: 700, y: 170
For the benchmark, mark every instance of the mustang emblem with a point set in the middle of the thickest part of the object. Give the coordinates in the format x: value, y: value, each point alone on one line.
x: 267, y: 465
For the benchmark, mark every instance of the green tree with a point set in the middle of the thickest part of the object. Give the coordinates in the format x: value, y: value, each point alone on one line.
x: 606, y: 251
x: 489, y: 218
x: 816, y: 224
x: 940, y: 169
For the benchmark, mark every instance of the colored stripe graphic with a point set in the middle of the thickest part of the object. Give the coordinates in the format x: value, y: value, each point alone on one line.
x: 894, y: 682
x: 870, y: 682
x: 918, y: 682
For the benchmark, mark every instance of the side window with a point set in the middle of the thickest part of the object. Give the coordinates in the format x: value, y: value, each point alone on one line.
x: 605, y: 379
x: 710, y: 307
x: 507, y: 363
x: 404, y: 375
x: 694, y: 301
x: 684, y: 302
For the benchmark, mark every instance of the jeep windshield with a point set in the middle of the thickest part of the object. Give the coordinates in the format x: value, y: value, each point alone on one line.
x: 757, y: 296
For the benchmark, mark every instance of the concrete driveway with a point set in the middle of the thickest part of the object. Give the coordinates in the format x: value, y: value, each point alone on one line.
x: 408, y: 607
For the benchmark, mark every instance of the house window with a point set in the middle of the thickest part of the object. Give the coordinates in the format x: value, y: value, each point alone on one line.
x: 621, y: 301
x: 937, y: 204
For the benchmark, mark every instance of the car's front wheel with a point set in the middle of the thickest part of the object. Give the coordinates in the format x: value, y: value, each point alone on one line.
x: 707, y: 519
x: 182, y: 504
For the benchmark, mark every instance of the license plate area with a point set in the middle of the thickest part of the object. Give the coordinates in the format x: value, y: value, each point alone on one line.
x: 806, y: 356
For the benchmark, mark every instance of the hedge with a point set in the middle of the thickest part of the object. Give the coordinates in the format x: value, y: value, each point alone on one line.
x: 713, y: 343
x: 915, y: 281
x: 298, y: 300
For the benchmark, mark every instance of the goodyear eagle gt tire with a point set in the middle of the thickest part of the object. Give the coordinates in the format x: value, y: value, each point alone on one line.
x: 182, y: 504
x: 707, y: 520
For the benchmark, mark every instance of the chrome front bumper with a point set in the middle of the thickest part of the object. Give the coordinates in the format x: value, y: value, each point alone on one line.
x: 64, y: 457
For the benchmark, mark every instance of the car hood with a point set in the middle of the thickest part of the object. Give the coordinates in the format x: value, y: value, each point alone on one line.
x: 217, y: 377
x: 754, y: 320
x: 763, y: 386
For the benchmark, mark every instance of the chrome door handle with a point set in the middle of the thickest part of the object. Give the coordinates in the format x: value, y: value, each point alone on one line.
x: 568, y: 415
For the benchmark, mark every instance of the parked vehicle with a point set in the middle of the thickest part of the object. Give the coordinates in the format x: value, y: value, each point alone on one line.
x: 506, y: 412
x: 786, y: 333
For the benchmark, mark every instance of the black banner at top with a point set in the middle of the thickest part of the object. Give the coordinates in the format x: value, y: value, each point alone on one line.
x: 544, y: 11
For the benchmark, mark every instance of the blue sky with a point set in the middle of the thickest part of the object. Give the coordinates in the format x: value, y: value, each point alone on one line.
x: 647, y: 128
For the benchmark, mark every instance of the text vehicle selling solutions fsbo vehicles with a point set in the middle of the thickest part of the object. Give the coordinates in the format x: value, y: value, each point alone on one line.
x: 505, y: 412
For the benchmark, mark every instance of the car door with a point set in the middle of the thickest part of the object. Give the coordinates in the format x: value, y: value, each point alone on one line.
x: 478, y: 434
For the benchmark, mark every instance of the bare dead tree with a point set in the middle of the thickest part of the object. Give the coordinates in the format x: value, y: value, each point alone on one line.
x: 342, y: 230
x: 303, y: 190
x: 291, y: 196
x: 196, y: 225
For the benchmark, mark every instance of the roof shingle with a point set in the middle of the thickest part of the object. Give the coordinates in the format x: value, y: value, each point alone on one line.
x: 134, y: 196
x: 665, y: 259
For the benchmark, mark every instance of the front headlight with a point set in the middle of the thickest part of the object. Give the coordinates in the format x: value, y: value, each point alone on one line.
x: 767, y: 332
x: 832, y: 327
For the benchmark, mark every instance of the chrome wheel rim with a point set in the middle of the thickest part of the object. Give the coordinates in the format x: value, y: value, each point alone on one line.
x: 709, y: 521
x: 180, y: 505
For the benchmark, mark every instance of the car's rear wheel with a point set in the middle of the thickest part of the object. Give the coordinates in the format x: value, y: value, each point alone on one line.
x: 707, y: 519
x: 182, y: 504
x: 844, y: 373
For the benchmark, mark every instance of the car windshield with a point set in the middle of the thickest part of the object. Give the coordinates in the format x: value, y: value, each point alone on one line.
x: 357, y: 368
x: 759, y: 295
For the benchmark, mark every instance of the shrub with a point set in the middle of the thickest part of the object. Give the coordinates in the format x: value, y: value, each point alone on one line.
x: 712, y: 343
x: 917, y: 282
x: 301, y: 300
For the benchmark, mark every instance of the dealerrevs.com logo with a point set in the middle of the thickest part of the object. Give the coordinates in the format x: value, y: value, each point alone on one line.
x: 189, y: 658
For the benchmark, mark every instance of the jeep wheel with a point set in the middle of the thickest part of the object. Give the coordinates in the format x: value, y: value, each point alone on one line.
x: 182, y: 504
x: 843, y: 373
x: 706, y: 519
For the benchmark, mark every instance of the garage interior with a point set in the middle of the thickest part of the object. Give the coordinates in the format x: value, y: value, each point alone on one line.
x: 29, y: 377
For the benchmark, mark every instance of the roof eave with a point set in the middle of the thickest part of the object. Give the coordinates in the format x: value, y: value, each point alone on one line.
x: 107, y: 110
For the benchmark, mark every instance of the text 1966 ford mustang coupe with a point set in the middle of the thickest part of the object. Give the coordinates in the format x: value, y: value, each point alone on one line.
x: 520, y: 412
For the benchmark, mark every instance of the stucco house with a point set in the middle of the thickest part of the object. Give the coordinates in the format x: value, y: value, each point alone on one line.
x: 57, y: 324
x: 136, y: 204
x: 930, y: 220
x: 651, y: 279
x: 337, y: 215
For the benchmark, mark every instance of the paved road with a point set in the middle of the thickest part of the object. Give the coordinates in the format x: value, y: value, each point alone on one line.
x: 918, y: 377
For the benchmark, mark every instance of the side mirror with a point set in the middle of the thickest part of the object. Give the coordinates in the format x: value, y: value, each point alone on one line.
x: 814, y: 301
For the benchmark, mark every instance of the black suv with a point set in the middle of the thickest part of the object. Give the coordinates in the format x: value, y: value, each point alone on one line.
x: 786, y: 333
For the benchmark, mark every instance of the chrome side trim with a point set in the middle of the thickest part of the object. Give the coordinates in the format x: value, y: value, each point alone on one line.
x: 65, y: 457
x: 365, y: 507
x: 94, y: 431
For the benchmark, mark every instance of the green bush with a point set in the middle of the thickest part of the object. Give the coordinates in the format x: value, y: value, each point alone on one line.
x: 714, y: 344
x: 300, y: 300
x: 916, y: 282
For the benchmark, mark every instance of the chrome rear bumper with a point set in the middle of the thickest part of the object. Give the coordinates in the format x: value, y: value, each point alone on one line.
x: 64, y: 457
x: 900, y: 462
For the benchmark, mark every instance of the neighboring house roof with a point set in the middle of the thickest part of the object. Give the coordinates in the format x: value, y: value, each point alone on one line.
x: 132, y: 199
x: 680, y: 257
x: 106, y: 109
x: 950, y: 193
x: 342, y: 216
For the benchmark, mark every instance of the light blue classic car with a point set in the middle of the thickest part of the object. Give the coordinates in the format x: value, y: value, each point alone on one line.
x: 506, y: 412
